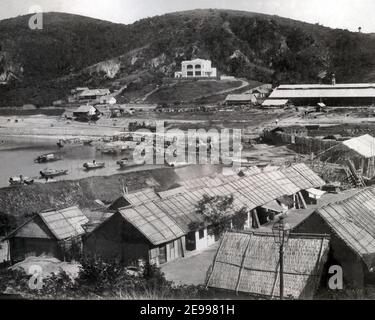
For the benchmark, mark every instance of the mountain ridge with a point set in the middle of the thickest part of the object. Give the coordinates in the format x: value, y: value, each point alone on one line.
x: 40, y: 66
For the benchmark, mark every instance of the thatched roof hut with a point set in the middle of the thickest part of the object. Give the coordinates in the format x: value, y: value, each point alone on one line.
x: 249, y: 263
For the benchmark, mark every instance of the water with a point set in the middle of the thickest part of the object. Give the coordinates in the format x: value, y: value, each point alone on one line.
x: 17, y: 157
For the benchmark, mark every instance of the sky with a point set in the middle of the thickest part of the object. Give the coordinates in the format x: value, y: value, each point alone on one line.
x: 344, y: 14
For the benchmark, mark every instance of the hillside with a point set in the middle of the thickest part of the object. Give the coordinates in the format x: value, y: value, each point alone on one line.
x: 39, y: 66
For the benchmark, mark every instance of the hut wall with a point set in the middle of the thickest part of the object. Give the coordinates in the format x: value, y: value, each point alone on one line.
x: 174, y: 250
x: 117, y: 239
x: 4, y: 251
x: 354, y: 270
x: 20, y: 248
x: 201, y: 239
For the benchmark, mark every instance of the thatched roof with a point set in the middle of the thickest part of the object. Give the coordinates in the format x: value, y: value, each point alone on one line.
x: 302, y: 176
x: 179, y: 205
x: 153, y: 223
x: 249, y: 263
x: 62, y: 224
x: 353, y: 221
x: 141, y: 196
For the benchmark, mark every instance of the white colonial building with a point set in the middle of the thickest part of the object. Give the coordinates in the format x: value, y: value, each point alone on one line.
x: 197, y: 68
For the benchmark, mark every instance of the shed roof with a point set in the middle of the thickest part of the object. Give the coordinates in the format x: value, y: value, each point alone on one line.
x: 248, y: 262
x: 141, y: 196
x: 353, y: 220
x: 179, y: 208
x: 65, y: 223
x: 260, y: 90
x: 303, y: 177
x: 171, y: 192
x: 275, y: 102
x: 354, y: 90
x: 60, y: 224
x: 241, y: 97
x: 363, y: 145
x: 94, y: 92
x: 85, y: 108
x: 153, y: 223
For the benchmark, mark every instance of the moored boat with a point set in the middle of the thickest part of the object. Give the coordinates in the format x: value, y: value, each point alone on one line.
x: 93, y: 165
x: 87, y: 142
x: 47, y: 158
x: 20, y: 180
x: 51, y: 173
x: 123, y: 162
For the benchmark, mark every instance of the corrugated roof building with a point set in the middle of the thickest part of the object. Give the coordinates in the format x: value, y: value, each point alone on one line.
x: 238, y: 99
x: 249, y: 263
x: 338, y: 94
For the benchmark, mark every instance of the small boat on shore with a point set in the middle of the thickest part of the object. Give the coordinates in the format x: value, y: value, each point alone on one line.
x: 87, y: 142
x: 60, y: 144
x: 52, y: 173
x: 20, y: 180
x: 123, y: 162
x: 93, y: 165
x: 47, y: 158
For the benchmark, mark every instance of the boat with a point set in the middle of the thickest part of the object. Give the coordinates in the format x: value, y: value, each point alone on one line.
x: 123, y: 162
x: 51, y: 173
x: 93, y: 165
x: 47, y: 158
x: 60, y: 144
x: 20, y: 180
x: 110, y: 151
x: 87, y: 142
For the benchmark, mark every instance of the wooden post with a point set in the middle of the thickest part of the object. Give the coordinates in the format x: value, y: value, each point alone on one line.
x: 298, y: 204
x: 368, y: 167
x: 304, y: 206
x: 255, y: 219
x: 362, y: 165
x: 248, y: 220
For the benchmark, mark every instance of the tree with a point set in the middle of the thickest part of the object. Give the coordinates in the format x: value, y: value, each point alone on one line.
x: 7, y: 223
x: 219, y: 212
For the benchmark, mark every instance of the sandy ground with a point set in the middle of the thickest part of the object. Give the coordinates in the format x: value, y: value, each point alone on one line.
x: 252, y: 120
x: 191, y: 269
x: 47, y: 265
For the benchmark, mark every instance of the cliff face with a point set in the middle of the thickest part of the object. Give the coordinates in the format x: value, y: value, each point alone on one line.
x: 10, y: 70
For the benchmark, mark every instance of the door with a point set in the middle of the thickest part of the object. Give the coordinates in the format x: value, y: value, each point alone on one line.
x: 190, y: 241
x: 162, y: 254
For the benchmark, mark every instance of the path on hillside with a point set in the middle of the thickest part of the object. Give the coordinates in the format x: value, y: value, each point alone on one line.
x: 244, y: 84
x: 150, y: 93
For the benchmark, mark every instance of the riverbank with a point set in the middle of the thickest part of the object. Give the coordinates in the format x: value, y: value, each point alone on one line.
x: 25, y: 200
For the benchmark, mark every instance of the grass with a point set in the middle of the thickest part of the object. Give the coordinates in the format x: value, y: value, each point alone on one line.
x: 187, y: 91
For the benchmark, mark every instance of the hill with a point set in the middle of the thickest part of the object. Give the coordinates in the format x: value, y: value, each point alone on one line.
x: 39, y: 66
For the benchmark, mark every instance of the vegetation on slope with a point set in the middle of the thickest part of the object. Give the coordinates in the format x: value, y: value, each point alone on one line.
x: 82, y: 51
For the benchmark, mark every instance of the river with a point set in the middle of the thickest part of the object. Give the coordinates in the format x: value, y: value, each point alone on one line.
x: 17, y: 156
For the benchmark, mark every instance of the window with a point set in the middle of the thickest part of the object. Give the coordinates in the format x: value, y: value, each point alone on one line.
x: 198, y: 66
x: 198, y: 73
x: 189, y: 66
x: 190, y: 73
x: 201, y: 234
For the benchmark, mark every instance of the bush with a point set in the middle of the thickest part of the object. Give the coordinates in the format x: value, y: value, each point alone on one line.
x: 100, y: 279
